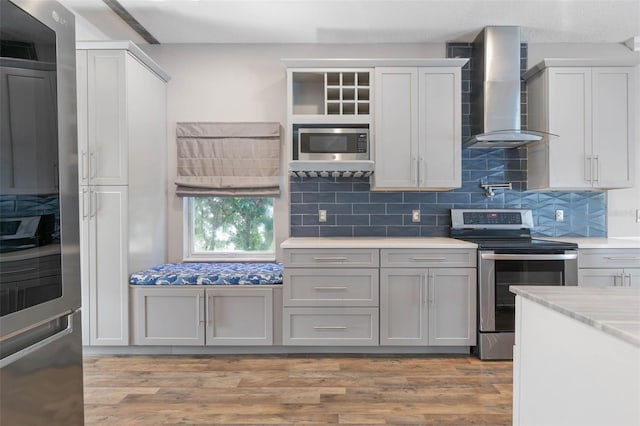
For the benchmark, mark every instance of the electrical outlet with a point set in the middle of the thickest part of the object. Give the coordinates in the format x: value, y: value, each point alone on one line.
x: 559, y: 215
x: 322, y: 215
x: 415, y: 216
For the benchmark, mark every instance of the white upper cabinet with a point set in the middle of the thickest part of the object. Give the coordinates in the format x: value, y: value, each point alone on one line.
x: 590, y: 109
x: 103, y: 136
x: 418, y: 128
x: 121, y: 100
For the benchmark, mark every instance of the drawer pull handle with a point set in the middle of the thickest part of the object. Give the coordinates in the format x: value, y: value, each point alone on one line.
x: 328, y: 287
x: 622, y: 257
x: 330, y: 259
x: 430, y: 259
x: 330, y: 327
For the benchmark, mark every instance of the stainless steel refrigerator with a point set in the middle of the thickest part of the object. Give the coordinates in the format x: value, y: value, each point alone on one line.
x: 40, y: 336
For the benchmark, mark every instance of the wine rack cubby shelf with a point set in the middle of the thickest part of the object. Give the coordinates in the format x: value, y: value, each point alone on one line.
x: 331, y: 93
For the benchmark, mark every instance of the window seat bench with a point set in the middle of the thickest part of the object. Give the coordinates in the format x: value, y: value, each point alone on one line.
x: 210, y: 274
x: 205, y: 304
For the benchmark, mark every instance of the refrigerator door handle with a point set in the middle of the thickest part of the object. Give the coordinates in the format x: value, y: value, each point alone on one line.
x: 13, y: 357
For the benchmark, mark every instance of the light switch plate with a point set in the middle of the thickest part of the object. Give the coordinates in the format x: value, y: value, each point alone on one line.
x: 415, y: 216
x: 559, y: 215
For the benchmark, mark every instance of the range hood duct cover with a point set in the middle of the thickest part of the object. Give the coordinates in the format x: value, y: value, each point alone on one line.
x: 495, y: 89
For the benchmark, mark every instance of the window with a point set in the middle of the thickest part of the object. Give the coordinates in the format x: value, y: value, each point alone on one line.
x: 232, y: 228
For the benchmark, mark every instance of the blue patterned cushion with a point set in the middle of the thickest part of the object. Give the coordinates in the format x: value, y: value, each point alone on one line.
x: 210, y: 274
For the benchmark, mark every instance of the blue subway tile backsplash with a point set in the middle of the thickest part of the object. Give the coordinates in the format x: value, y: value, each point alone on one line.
x: 353, y: 210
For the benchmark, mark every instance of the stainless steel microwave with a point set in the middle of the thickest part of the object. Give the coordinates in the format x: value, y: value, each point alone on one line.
x: 335, y: 143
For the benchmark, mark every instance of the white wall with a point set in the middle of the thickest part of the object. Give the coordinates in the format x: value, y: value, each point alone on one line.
x: 621, y: 203
x: 243, y: 83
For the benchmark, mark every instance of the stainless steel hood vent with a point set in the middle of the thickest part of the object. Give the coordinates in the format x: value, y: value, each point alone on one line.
x: 495, y: 90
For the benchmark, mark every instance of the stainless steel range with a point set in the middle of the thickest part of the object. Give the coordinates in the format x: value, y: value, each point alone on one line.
x: 508, y: 255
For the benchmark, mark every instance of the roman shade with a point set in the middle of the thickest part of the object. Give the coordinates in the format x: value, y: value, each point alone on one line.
x: 232, y: 159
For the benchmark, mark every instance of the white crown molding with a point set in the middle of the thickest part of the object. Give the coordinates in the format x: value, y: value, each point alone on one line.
x: 633, y: 43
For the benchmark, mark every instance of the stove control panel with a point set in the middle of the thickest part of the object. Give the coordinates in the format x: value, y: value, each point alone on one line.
x: 492, y: 218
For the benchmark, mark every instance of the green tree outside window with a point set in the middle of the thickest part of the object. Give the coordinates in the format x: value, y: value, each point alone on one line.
x: 232, y: 224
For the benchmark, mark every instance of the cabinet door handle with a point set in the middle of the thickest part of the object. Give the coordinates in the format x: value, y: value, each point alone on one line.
x: 93, y: 203
x: 201, y: 319
x: 85, y: 208
x: 432, y: 288
x: 92, y: 164
x: 209, y: 308
x: 429, y: 259
x: 330, y: 327
x: 423, y: 288
x: 330, y: 259
x: 587, y: 168
x: 329, y: 287
x: 596, y: 173
x: 422, y: 171
x: 85, y: 167
x: 622, y: 257
x: 414, y: 170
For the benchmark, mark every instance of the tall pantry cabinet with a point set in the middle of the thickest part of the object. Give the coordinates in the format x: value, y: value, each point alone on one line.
x: 123, y: 191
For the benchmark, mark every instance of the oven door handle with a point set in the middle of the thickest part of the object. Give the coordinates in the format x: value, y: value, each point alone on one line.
x: 494, y: 256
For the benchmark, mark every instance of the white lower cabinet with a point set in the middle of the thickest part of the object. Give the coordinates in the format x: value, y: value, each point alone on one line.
x: 330, y: 297
x: 330, y: 326
x: 197, y: 316
x: 605, y: 277
x: 421, y: 306
x: 104, y: 248
x: 609, y: 268
x: 430, y: 304
x: 239, y: 316
x: 168, y: 316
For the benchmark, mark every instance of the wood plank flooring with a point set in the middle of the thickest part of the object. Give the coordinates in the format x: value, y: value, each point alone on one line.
x: 293, y: 389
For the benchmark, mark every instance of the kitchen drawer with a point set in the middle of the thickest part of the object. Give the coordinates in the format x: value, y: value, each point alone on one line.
x: 432, y: 258
x: 331, y: 287
x: 330, y: 326
x: 320, y: 258
x: 609, y: 258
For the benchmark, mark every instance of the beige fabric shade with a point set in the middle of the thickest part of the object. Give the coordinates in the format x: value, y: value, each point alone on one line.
x: 232, y: 159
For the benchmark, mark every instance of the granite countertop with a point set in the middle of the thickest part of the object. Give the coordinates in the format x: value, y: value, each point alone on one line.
x: 615, y: 311
x: 600, y: 242
x: 377, y: 242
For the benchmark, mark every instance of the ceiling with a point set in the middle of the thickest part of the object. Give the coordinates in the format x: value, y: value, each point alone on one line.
x: 357, y: 21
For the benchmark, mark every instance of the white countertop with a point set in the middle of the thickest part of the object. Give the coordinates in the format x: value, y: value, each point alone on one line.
x: 600, y: 242
x: 614, y: 310
x: 377, y: 242
x: 443, y: 242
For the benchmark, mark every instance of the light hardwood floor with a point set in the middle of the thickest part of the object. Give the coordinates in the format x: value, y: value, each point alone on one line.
x: 318, y: 389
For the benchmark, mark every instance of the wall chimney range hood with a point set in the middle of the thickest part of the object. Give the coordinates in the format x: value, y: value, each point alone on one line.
x: 495, y: 90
